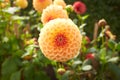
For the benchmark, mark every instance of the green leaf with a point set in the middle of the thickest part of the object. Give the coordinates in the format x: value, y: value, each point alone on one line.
x: 85, y: 17
x: 111, y: 44
x: 76, y: 63
x: 103, y: 54
x: 114, y: 59
x: 75, y: 21
x: 118, y: 46
x: 86, y: 67
x: 82, y: 26
x: 16, y: 76
x: 20, y: 18
x: 66, y: 75
x: 9, y: 66
x: 92, y: 50
x: 113, y: 70
x: 28, y: 72
x: 11, y: 10
x: 86, y: 62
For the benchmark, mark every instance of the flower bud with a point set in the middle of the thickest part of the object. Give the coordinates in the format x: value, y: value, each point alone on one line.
x: 61, y: 71
x: 69, y: 8
x: 102, y: 22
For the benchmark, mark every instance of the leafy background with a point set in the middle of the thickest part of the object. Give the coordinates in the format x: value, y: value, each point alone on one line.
x: 98, y: 9
x: 18, y: 33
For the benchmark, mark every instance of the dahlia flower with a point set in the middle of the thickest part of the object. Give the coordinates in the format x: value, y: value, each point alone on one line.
x: 22, y: 3
x: 53, y: 12
x: 60, y: 2
x: 79, y: 7
x: 60, y: 40
x: 90, y: 56
x: 39, y: 5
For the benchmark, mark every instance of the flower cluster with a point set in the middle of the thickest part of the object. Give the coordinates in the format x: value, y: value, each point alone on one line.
x: 60, y: 39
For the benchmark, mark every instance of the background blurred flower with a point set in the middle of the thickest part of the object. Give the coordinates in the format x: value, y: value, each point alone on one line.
x: 79, y: 7
x: 60, y: 3
x: 110, y: 35
x: 60, y: 40
x: 21, y: 3
x: 87, y: 39
x: 53, y: 12
x: 90, y: 56
x: 39, y: 5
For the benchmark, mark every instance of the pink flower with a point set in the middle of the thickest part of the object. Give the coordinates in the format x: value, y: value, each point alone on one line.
x: 90, y: 56
x: 79, y: 7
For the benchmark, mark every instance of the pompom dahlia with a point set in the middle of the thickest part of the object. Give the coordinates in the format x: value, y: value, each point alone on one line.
x: 60, y: 2
x: 79, y: 7
x: 53, y: 12
x: 39, y: 5
x: 60, y: 40
x: 22, y: 3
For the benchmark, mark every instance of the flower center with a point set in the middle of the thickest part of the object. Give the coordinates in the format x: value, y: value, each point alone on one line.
x: 50, y: 18
x: 78, y: 9
x: 60, y: 40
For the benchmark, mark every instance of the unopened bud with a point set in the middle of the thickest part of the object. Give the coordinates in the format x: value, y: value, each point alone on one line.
x: 61, y: 71
x: 102, y: 22
x: 69, y: 8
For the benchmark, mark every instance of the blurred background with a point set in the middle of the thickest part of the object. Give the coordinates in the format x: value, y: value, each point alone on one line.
x: 19, y: 31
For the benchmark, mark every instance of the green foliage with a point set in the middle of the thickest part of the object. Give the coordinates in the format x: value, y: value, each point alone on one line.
x: 22, y: 59
x: 107, y: 9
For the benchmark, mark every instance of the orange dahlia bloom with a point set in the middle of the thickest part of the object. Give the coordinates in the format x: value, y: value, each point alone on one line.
x: 39, y: 5
x: 60, y: 40
x: 53, y: 12
x: 60, y: 2
x: 6, y: 0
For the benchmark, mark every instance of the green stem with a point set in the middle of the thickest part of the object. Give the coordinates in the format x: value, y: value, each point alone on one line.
x: 103, y: 36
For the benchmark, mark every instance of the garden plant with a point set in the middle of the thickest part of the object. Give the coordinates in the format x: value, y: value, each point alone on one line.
x: 48, y: 40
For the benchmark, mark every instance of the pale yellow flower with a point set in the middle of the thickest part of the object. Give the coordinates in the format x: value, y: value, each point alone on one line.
x: 39, y: 5
x: 60, y: 40
x: 22, y: 3
x: 53, y: 12
x: 60, y: 2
